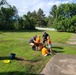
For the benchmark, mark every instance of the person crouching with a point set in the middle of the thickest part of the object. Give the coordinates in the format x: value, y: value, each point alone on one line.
x: 32, y: 42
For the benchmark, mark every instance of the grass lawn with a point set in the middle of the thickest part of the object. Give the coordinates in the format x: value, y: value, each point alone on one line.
x: 28, y: 62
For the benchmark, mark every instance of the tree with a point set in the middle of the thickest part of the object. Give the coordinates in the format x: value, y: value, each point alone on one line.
x: 33, y: 17
x: 50, y: 21
x: 40, y: 18
x: 65, y: 20
x: 28, y: 23
x: 29, y: 14
x: 7, y: 16
x: 53, y: 11
x: 52, y: 16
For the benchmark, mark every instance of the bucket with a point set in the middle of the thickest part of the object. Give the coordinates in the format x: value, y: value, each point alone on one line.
x: 12, y: 56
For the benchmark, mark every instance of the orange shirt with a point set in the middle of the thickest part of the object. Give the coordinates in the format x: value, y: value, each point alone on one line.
x: 49, y: 41
x: 38, y: 40
x: 44, y: 51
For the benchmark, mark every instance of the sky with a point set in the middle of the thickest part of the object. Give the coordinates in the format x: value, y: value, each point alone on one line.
x: 23, y: 6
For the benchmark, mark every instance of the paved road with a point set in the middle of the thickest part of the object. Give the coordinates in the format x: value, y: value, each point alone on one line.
x: 60, y: 64
x: 40, y: 28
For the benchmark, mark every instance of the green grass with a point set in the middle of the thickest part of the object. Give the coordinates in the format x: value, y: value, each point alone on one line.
x: 31, y: 61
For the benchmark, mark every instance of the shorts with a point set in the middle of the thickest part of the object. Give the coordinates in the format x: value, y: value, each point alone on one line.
x: 50, y: 46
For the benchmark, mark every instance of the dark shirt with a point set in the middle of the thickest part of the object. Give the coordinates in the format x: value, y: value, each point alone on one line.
x: 32, y: 40
x: 45, y: 35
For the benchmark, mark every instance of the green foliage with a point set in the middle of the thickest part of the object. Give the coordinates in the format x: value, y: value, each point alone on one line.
x: 7, y: 16
x: 10, y: 20
x: 73, y: 23
x: 50, y: 22
x: 62, y: 18
x: 52, y: 16
x: 41, y: 18
x: 53, y: 11
x: 66, y: 18
x: 28, y: 22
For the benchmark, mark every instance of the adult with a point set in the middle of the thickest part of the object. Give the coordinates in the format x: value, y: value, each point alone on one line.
x: 44, y: 36
x: 32, y: 42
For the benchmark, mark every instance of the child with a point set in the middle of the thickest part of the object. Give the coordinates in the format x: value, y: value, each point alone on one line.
x: 44, y: 51
x: 38, y: 40
x: 49, y: 43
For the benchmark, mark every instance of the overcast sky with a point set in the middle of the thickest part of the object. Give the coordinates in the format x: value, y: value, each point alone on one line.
x: 23, y: 6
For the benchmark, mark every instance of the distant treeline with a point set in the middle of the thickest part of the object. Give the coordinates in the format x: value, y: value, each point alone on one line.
x: 62, y: 18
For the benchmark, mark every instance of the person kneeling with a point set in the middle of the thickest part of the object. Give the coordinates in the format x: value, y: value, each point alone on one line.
x: 32, y: 42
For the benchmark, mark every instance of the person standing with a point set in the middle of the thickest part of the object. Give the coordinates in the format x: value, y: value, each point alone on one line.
x: 50, y: 45
x: 44, y: 36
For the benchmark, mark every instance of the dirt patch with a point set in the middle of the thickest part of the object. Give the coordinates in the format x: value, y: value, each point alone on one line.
x: 23, y: 61
x: 72, y: 40
x: 72, y: 43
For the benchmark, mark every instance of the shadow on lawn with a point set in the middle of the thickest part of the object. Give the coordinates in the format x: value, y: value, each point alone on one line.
x: 58, y: 49
x: 31, y: 61
x: 5, y: 58
x: 8, y: 58
x: 35, y: 30
x: 18, y: 73
x: 21, y: 59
